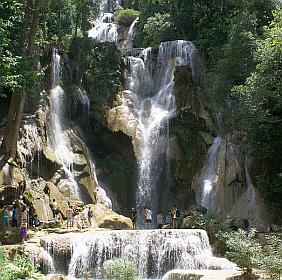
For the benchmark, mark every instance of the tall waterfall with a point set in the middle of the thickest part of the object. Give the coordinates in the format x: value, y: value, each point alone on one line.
x: 158, y: 251
x: 152, y: 97
x: 104, y: 29
x: 59, y: 140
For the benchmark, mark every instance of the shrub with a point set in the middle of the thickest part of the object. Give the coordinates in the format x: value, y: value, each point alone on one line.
x: 19, y: 268
x: 243, y: 249
x: 120, y: 269
x: 272, y: 259
x: 159, y: 28
x: 125, y: 17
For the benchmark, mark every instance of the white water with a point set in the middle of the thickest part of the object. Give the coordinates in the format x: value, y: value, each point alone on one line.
x: 152, y: 99
x: 209, y: 175
x: 158, y: 251
x: 128, y: 42
x: 59, y: 141
x: 104, y: 29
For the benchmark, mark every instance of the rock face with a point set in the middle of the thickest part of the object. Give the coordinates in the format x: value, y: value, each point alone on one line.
x: 224, y: 185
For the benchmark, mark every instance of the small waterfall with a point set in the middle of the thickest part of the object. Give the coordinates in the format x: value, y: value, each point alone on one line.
x: 209, y: 175
x: 158, y: 251
x: 152, y: 97
x: 59, y: 140
x: 104, y: 29
x: 127, y: 44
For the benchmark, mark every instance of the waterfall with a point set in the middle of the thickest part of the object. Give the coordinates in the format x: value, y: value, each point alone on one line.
x: 152, y: 98
x: 104, y: 29
x: 59, y: 140
x: 209, y: 175
x: 158, y: 251
x: 127, y: 44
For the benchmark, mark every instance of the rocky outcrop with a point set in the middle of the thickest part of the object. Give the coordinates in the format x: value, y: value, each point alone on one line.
x: 106, y: 218
x: 200, y: 274
x: 122, y: 118
x: 224, y: 185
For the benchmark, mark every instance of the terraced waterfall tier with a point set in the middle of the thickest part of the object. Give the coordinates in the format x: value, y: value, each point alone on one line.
x: 154, y: 251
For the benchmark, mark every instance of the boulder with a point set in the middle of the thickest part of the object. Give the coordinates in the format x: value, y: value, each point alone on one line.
x: 239, y: 223
x: 106, y: 218
x: 198, y: 209
x: 178, y: 274
x: 61, y: 200
x: 41, y: 203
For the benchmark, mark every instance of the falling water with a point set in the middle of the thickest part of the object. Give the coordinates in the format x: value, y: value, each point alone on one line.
x: 104, y: 29
x: 158, y: 251
x: 209, y: 175
x: 128, y: 42
x: 60, y: 142
x: 154, y: 104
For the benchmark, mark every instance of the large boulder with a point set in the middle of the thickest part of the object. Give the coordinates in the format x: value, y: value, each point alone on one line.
x: 104, y: 217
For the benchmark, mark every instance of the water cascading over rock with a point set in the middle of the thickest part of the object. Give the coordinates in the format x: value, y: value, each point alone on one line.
x: 158, y: 251
x: 144, y: 111
x: 224, y: 185
x: 59, y: 140
x: 104, y: 29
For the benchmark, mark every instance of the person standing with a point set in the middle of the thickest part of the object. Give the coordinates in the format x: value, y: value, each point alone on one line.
x: 54, y: 209
x: 89, y: 215
x: 160, y: 220
x: 148, y: 218
x: 14, y: 216
x: 6, y: 217
x: 23, y: 232
x: 133, y: 217
x: 175, y: 215
x: 70, y: 217
x: 168, y: 219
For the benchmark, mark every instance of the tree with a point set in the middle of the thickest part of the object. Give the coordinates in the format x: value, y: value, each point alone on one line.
x: 29, y: 27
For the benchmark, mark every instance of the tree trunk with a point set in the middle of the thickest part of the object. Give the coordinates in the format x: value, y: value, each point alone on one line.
x: 29, y: 27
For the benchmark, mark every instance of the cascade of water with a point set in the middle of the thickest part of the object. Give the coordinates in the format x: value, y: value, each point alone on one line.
x: 60, y: 142
x: 157, y: 252
x: 101, y: 193
x: 154, y: 104
x: 209, y: 175
x: 127, y: 44
x: 104, y: 29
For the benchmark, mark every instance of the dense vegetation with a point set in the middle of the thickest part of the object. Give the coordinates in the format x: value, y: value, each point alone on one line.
x: 19, y: 268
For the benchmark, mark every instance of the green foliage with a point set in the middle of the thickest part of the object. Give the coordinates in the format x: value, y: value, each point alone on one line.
x: 272, y: 259
x: 120, y: 269
x: 158, y: 28
x: 19, y: 268
x: 243, y: 249
x: 211, y: 224
x: 125, y: 17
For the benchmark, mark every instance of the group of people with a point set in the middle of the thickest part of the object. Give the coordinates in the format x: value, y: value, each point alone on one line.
x: 22, y: 216
x: 71, y: 213
x: 170, y: 220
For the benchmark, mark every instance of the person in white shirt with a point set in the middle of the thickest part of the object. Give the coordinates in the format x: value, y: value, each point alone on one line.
x: 147, y: 217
